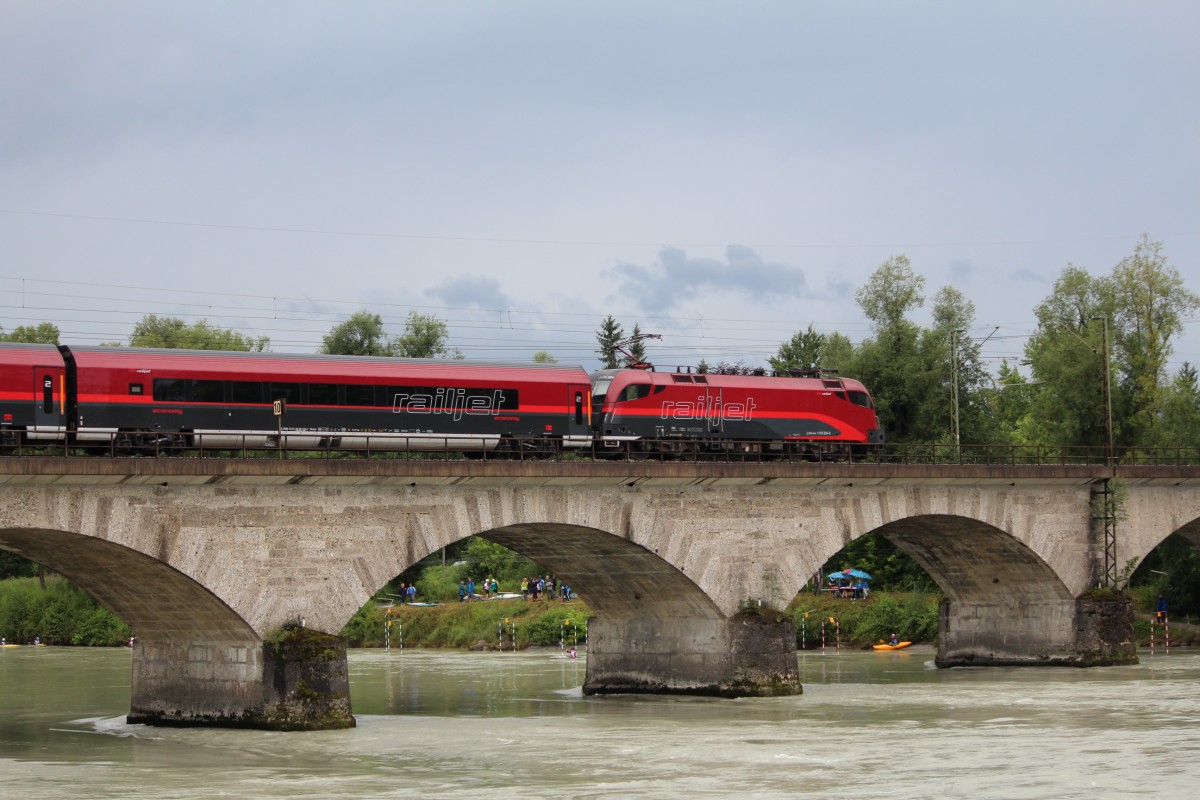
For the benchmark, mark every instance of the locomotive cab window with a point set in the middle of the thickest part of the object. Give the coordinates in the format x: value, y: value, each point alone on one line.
x: 634, y: 391
x: 861, y: 399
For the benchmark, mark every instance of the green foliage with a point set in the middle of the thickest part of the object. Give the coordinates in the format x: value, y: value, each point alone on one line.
x: 61, y: 614
x: 543, y: 357
x: 1179, y: 423
x: 890, y: 568
x: 361, y: 335
x: 913, y: 617
x: 469, y: 624
x: 424, y: 336
x: 1171, y: 569
x: 802, y: 351
x: 15, y: 566
x: 42, y: 333
x: 636, y: 349
x: 472, y: 557
x: 607, y: 336
x: 366, y: 626
x: 171, y: 332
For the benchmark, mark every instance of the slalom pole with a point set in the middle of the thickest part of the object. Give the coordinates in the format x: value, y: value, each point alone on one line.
x: 822, y: 637
x: 838, y: 624
x: 1166, y: 634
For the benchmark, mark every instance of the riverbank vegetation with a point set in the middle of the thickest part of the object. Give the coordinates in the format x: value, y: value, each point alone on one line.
x: 56, y: 611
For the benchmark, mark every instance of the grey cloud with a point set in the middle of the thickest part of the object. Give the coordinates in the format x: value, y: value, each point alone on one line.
x: 676, y: 278
x: 1030, y: 275
x: 471, y: 290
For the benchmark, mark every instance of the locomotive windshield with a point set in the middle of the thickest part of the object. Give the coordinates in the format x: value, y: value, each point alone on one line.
x: 861, y: 399
x: 600, y: 387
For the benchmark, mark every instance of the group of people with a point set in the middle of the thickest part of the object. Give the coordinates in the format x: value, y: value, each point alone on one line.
x: 534, y: 588
x: 467, y: 590
x: 531, y: 589
x: 854, y: 589
x: 408, y: 593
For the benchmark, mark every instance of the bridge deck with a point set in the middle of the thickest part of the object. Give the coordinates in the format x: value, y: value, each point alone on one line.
x: 41, y: 470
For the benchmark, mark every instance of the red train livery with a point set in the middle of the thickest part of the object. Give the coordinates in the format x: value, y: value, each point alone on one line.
x: 690, y: 413
x: 143, y: 399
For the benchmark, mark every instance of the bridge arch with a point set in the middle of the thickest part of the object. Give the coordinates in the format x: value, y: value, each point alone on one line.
x: 152, y: 597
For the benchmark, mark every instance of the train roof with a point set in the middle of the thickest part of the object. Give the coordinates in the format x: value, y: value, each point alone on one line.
x: 14, y: 353
x: 319, y: 364
x: 729, y: 380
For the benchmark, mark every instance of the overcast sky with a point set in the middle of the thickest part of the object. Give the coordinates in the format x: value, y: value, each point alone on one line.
x: 721, y: 173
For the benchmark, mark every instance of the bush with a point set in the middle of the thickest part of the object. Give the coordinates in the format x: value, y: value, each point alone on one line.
x: 61, y: 614
x: 911, y: 616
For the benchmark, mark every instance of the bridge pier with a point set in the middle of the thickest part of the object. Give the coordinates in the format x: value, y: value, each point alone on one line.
x: 1092, y: 630
x: 296, y: 680
x: 748, y: 655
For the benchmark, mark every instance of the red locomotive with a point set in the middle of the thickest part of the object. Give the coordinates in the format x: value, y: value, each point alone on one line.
x: 639, y: 412
x: 122, y: 399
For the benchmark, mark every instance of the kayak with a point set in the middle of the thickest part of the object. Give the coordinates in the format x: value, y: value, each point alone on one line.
x: 896, y: 646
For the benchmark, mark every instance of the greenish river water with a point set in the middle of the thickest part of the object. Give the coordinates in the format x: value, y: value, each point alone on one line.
x: 435, y: 724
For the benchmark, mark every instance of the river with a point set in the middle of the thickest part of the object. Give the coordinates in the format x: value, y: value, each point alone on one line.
x: 494, y: 726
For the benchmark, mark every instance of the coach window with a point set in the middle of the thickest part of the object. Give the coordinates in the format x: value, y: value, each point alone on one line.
x: 579, y: 408
x: 208, y: 391
x: 170, y: 390
x: 286, y: 391
x: 245, y: 392
x: 359, y: 395
x: 323, y: 394
x: 48, y: 394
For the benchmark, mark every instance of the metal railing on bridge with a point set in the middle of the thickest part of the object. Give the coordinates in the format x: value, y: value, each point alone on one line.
x: 426, y: 447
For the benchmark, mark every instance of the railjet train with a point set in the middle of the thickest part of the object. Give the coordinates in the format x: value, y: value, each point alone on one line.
x: 133, y: 399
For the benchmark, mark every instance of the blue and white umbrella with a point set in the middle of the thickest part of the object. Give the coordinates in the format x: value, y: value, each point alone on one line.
x: 844, y: 574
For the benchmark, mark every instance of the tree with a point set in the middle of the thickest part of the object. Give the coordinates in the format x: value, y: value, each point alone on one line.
x: 891, y: 293
x: 1066, y: 358
x: 424, y: 336
x: 171, y: 332
x: 1179, y: 423
x: 802, y: 351
x: 1150, y: 303
x: 947, y: 355
x: 890, y: 363
x: 42, y: 333
x: 636, y: 349
x: 607, y: 337
x: 543, y: 357
x: 361, y: 335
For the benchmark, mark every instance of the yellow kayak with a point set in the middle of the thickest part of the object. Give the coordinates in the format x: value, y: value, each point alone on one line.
x: 896, y: 646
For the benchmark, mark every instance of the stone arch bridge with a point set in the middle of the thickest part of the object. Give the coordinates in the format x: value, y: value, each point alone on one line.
x: 236, y: 575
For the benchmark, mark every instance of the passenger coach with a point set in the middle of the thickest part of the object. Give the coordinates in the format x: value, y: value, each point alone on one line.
x: 221, y: 399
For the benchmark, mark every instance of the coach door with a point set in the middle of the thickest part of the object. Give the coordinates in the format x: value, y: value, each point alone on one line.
x: 578, y: 399
x: 49, y: 397
x: 716, y: 410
